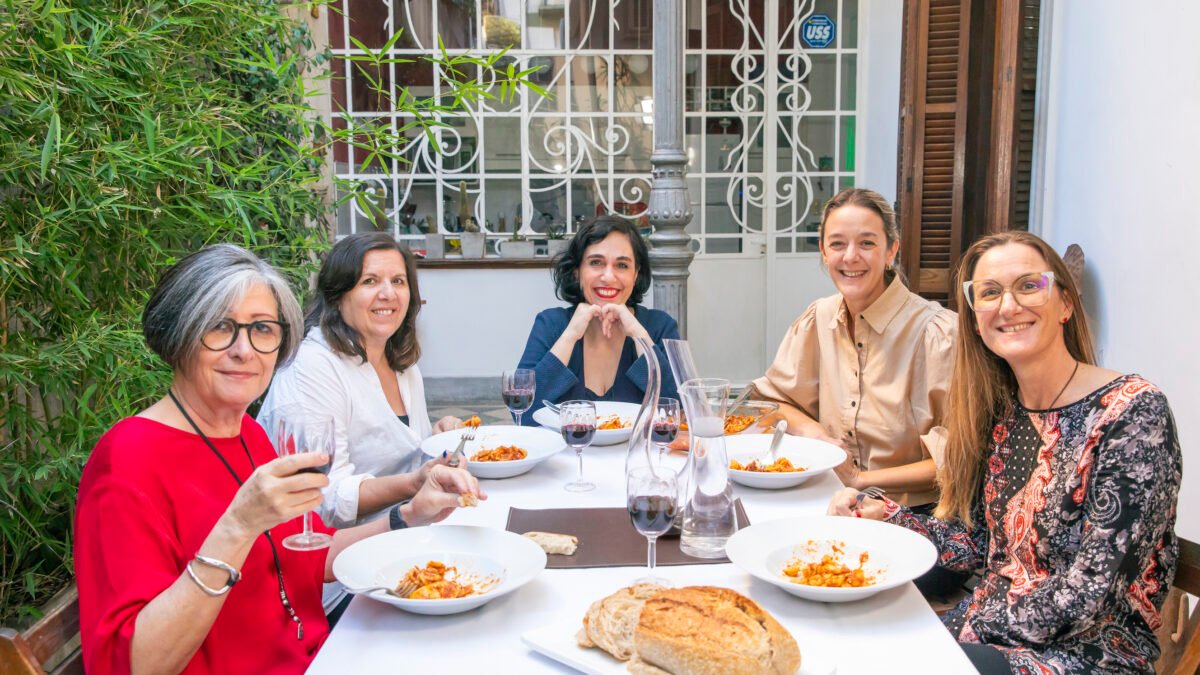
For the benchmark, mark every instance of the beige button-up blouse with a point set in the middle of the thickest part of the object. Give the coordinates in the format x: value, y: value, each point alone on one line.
x: 882, y: 390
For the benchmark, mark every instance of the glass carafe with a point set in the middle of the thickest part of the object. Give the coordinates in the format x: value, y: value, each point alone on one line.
x: 642, y: 451
x: 708, y: 516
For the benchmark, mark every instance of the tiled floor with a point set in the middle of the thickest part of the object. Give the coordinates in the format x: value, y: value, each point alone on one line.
x: 487, y: 411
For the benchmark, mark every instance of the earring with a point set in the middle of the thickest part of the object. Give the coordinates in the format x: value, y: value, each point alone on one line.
x: 1065, y: 319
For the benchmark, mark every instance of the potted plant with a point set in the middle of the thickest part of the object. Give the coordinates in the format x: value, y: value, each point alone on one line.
x: 555, y: 242
x: 516, y: 247
x: 435, y: 241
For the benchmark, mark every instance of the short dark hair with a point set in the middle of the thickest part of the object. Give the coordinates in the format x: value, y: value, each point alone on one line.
x: 566, y: 267
x: 199, y: 290
x: 339, y: 275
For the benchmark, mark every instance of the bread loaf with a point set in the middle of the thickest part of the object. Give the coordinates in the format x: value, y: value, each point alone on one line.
x: 610, y: 622
x: 702, y: 629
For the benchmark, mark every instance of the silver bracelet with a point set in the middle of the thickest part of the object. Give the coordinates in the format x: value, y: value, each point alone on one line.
x: 234, y: 575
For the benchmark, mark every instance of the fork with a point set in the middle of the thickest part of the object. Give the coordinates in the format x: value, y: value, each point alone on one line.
x: 467, y: 435
x: 873, y: 492
x: 404, y: 590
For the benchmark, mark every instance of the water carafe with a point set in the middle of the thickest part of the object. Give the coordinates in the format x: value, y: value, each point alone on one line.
x: 708, y: 516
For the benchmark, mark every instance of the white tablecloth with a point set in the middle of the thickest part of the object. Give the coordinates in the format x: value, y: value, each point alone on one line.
x: 891, y: 632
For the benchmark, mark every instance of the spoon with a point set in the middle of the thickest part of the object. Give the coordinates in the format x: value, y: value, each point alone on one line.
x: 780, y: 429
x: 740, y: 399
x: 551, y: 406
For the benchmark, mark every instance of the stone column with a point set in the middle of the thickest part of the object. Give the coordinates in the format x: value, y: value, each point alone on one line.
x: 669, y: 210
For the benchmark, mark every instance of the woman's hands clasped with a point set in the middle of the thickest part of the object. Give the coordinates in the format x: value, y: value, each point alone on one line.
x: 277, y: 492
x: 609, y: 316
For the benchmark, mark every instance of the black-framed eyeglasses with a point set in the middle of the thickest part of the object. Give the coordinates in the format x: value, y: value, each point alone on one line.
x: 1029, y: 290
x: 265, y: 336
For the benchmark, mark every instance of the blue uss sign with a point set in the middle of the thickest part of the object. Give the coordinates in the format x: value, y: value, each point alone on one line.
x: 818, y: 31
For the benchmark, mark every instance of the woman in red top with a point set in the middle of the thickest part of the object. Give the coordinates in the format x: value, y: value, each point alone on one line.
x: 182, y: 507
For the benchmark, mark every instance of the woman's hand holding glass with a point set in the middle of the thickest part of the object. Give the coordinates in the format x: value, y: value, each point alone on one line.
x: 298, y: 432
x: 277, y: 492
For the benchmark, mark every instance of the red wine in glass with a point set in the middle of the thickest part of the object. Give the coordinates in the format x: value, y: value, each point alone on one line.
x: 517, y: 388
x: 652, y: 514
x: 518, y: 400
x: 323, y: 469
x: 663, y: 432
x: 578, y: 435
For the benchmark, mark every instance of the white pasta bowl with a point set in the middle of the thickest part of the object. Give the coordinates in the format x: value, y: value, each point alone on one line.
x: 626, y: 411
x: 815, y: 456
x: 503, y: 561
x: 539, y: 445
x: 895, y: 555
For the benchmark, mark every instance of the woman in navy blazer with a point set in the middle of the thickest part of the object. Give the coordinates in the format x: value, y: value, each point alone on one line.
x: 584, y: 351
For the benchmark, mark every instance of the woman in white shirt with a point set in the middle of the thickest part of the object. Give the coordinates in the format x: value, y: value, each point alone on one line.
x: 358, y: 363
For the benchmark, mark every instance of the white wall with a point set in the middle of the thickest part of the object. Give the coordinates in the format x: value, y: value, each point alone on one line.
x: 879, y: 95
x: 475, y: 322
x: 1122, y: 130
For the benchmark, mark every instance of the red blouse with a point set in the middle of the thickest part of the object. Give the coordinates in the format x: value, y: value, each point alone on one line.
x: 149, y: 496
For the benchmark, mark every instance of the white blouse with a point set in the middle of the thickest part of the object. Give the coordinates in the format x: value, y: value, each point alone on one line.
x: 371, y: 440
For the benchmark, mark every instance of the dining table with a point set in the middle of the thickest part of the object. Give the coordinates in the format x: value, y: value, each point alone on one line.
x: 893, y: 631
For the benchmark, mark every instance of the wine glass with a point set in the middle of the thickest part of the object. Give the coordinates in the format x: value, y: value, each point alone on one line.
x: 665, y: 423
x: 577, y: 421
x: 517, y: 388
x: 651, y: 494
x: 298, y: 432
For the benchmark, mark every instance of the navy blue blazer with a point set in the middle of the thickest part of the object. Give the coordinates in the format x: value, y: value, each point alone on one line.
x: 557, y: 383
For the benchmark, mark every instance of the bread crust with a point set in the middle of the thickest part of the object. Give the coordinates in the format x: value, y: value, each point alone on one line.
x: 610, y: 622
x: 554, y: 543
x: 704, y: 629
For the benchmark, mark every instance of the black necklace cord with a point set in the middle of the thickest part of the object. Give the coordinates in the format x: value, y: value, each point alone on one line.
x: 283, y: 596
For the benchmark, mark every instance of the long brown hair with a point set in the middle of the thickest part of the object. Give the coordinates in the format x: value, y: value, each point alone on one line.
x: 871, y: 201
x: 339, y: 275
x: 983, y: 384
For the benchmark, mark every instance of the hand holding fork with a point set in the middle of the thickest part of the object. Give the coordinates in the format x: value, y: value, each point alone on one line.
x: 873, y: 492
x: 850, y: 502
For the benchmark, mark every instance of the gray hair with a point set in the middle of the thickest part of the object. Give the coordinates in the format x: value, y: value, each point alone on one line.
x: 199, y: 291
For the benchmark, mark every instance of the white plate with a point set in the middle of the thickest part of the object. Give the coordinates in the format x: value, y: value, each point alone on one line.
x: 628, y: 411
x: 816, y: 456
x: 557, y: 641
x: 539, y: 443
x: 383, y: 559
x: 897, y: 555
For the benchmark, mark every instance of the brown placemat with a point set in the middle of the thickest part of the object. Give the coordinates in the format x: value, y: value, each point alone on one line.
x: 606, y: 537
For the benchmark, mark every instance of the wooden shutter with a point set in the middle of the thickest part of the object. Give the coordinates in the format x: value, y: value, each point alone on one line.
x: 1010, y: 171
x: 933, y: 119
x: 968, y: 84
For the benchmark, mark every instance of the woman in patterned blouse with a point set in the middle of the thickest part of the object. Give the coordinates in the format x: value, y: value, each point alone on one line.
x: 1060, y: 479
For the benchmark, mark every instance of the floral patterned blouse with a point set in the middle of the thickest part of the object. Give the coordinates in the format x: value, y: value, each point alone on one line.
x: 1075, y: 532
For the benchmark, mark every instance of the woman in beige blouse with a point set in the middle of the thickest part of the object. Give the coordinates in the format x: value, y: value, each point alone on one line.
x: 868, y: 368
